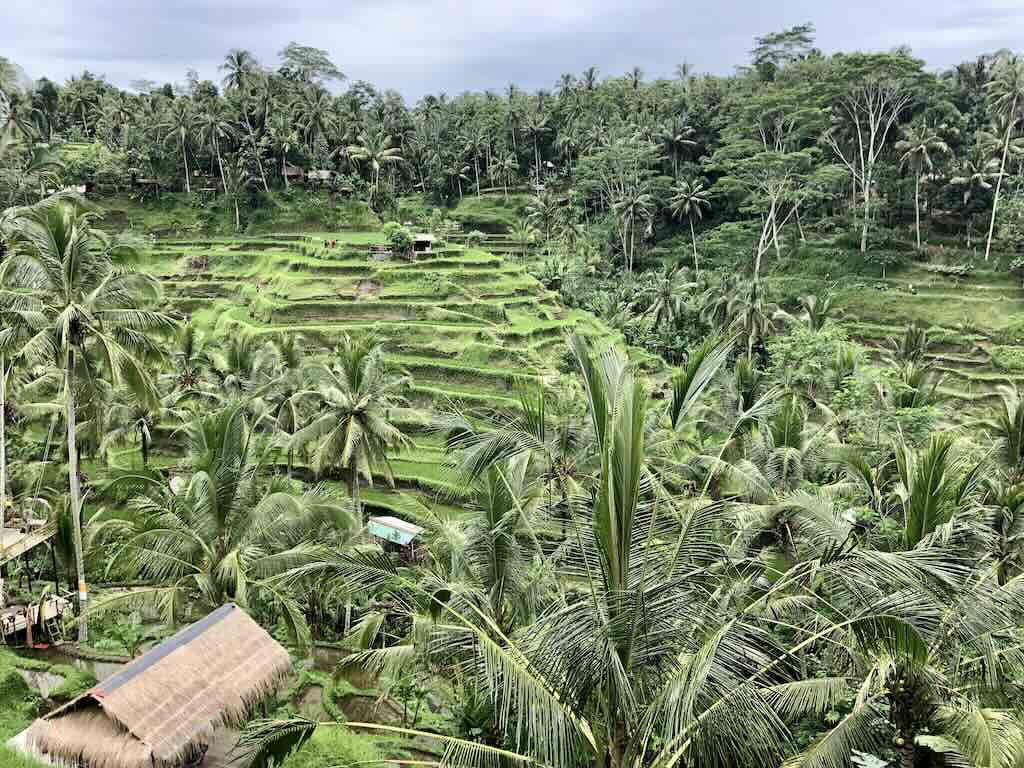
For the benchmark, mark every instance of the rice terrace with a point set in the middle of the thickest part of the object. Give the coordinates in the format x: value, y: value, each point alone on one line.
x: 622, y: 418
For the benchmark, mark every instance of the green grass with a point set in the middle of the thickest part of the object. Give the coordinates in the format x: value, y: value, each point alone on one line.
x: 335, y: 745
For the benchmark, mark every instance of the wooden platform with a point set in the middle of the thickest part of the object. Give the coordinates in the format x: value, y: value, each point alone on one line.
x: 17, y: 618
x: 14, y: 543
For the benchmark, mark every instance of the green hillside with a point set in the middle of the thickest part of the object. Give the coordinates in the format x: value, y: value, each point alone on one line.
x: 470, y: 328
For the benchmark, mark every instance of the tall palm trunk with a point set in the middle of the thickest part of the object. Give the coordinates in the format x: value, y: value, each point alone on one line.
x: 184, y: 159
x: 693, y: 239
x: 917, y: 208
x: 220, y: 163
x: 356, y: 505
x: 76, y: 498
x: 283, y: 174
x: 867, y: 215
x: 3, y: 443
x: 999, y: 181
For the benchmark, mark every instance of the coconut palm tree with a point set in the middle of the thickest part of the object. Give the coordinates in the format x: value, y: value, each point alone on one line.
x: 917, y: 148
x: 214, y: 124
x: 634, y: 207
x: 753, y: 314
x: 690, y: 199
x: 354, y: 430
x: 94, y: 305
x: 675, y: 135
x: 1006, y: 96
x: 130, y: 416
x: 648, y: 665
x: 1006, y: 425
x: 226, y: 532
x: 178, y: 125
x: 238, y: 67
x: 543, y: 213
x: 313, y: 110
x: 20, y: 320
x: 817, y: 311
x: 376, y: 149
x: 536, y: 124
x: 667, y: 295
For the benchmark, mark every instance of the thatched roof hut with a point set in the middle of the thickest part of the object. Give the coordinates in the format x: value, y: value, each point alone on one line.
x: 162, y: 709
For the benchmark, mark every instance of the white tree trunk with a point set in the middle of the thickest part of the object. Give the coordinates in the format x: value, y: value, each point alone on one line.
x: 693, y: 239
x: 999, y: 181
x: 3, y: 444
x: 867, y: 214
x: 76, y: 498
x: 917, y: 208
x: 184, y: 158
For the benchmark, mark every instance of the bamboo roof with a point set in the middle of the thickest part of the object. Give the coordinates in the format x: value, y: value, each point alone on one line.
x: 166, y: 704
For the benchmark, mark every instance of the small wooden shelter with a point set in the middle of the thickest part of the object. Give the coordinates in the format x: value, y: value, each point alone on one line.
x: 422, y: 243
x: 163, y: 709
x: 396, y: 535
x: 293, y: 173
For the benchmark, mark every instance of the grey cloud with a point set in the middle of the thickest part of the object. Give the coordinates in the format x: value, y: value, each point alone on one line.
x: 421, y: 46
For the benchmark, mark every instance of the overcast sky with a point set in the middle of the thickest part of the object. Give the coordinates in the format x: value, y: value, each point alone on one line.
x: 424, y: 46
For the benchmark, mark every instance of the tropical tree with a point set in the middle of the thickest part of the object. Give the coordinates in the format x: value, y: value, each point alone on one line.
x: 1006, y: 94
x: 689, y: 199
x: 178, y: 126
x: 354, y: 430
x: 224, y: 535
x: 238, y: 67
x: 668, y: 295
x: 1006, y: 425
x: 376, y: 150
x: 917, y: 148
x: 93, y: 303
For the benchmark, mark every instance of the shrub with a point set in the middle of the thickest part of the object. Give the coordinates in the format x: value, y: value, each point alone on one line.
x: 334, y: 745
x: 398, y: 236
x: 1017, y: 269
x: 474, y: 238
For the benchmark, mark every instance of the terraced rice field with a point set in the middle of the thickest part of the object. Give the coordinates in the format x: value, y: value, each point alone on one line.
x: 978, y: 324
x: 470, y: 327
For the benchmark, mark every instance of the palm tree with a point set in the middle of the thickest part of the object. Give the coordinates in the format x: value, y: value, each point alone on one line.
x: 753, y: 314
x: 20, y: 320
x: 667, y: 295
x: 1006, y: 424
x: 227, y: 532
x: 93, y: 304
x: 543, y: 213
x: 1006, y: 93
x: 239, y: 66
x: 214, y: 124
x: 375, y: 149
x: 689, y: 199
x: 536, y: 125
x: 675, y: 136
x: 816, y: 311
x: 916, y: 148
x: 130, y: 416
x: 354, y: 430
x: 314, y: 114
x: 974, y: 175
x: 178, y: 126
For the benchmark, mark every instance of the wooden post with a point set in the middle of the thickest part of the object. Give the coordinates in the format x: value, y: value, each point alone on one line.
x: 56, y: 573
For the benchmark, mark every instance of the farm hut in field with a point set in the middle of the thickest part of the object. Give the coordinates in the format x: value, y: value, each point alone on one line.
x: 293, y: 173
x: 396, y: 535
x: 166, y: 708
x: 422, y: 243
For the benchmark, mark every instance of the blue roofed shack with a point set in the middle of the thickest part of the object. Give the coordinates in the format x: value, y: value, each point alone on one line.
x: 395, y: 534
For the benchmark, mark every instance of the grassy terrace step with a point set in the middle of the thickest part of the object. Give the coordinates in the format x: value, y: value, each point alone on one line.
x: 297, y: 312
x: 445, y: 374
x: 466, y: 397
